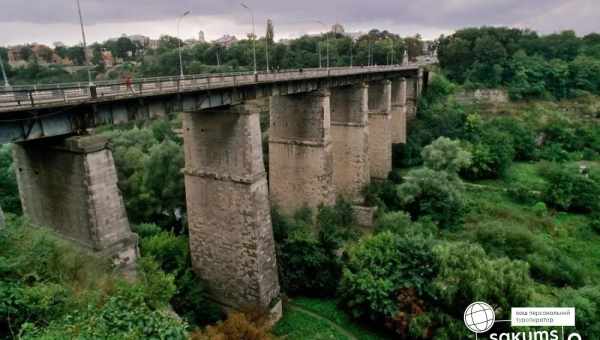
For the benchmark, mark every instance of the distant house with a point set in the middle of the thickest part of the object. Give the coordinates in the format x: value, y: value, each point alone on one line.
x: 39, y: 52
x: 226, y: 40
x: 107, y: 58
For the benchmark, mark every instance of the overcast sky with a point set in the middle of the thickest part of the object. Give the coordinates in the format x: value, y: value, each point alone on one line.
x: 47, y: 21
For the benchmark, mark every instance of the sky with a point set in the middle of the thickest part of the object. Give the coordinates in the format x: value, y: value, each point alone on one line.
x: 48, y: 21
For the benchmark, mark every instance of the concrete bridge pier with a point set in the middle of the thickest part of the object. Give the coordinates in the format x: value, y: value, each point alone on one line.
x: 300, y: 151
x: 399, y: 111
x: 411, y: 98
x: 71, y: 186
x: 380, y: 129
x: 350, y: 135
x: 231, y: 237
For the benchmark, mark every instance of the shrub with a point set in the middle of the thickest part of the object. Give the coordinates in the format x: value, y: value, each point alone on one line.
x: 146, y: 229
x: 307, y: 265
x: 445, y: 154
x: 522, y: 194
x: 586, y: 301
x: 237, y: 326
x: 567, y: 189
x: 383, y: 195
x: 435, y: 194
x: 540, y: 209
x: 400, y: 223
x: 523, y: 136
x: 467, y: 274
x: 379, y: 267
x: 492, y: 154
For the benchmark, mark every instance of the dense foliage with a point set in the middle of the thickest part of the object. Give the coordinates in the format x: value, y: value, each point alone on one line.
x: 558, y: 65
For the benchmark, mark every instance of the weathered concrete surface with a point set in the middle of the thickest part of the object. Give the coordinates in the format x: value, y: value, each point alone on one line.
x: 411, y: 98
x: 365, y: 216
x: 71, y: 187
x: 488, y: 96
x: 399, y: 111
x: 380, y: 129
x: 300, y: 151
x: 350, y: 135
x: 231, y: 237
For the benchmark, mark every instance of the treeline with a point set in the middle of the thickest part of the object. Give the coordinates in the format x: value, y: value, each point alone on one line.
x: 530, y: 65
x: 374, y: 48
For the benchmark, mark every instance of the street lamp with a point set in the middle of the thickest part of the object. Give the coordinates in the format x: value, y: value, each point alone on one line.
x: 84, y: 42
x: 326, y: 40
x: 180, y: 58
x: 6, y: 84
x: 253, y: 34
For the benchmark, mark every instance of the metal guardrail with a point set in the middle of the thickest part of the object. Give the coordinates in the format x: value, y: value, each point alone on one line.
x: 30, y: 96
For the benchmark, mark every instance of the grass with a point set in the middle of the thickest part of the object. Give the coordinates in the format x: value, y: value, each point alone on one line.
x: 298, y: 325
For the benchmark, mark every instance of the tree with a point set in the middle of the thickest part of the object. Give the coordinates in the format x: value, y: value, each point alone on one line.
x: 25, y: 52
x: 445, y: 154
x: 45, y: 53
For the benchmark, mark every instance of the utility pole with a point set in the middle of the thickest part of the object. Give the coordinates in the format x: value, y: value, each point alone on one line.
x: 253, y: 34
x: 179, y: 40
x: 6, y: 84
x: 84, y: 42
x: 326, y: 42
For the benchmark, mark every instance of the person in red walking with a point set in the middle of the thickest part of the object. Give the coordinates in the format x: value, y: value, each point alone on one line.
x: 129, y: 84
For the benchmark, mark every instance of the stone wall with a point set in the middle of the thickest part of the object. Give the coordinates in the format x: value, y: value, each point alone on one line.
x: 380, y: 129
x: 350, y: 135
x: 300, y: 151
x: 71, y: 187
x: 231, y: 237
x: 490, y: 96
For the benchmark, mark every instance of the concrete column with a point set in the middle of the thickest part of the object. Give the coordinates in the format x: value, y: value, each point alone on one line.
x: 229, y: 221
x: 71, y: 187
x: 399, y: 111
x: 411, y: 98
x: 350, y: 135
x: 300, y: 151
x: 380, y: 129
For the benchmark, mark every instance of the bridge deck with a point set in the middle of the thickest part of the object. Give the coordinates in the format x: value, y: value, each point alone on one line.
x: 20, y: 98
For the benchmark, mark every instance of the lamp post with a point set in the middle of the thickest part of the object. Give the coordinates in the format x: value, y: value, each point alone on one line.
x: 326, y: 41
x: 180, y: 57
x: 84, y: 42
x: 253, y: 34
x: 6, y: 84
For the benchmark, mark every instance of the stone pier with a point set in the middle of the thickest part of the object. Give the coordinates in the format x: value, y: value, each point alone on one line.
x: 300, y: 151
x: 231, y: 237
x: 399, y: 111
x: 350, y: 135
x: 70, y: 185
x: 411, y: 98
x: 380, y: 129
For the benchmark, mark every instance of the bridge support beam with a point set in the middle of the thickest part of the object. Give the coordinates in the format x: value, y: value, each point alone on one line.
x: 380, y: 129
x: 231, y: 237
x: 350, y: 135
x: 399, y: 111
x: 71, y: 187
x: 300, y: 151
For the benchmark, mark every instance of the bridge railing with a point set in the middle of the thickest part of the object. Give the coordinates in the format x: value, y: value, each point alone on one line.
x: 71, y: 93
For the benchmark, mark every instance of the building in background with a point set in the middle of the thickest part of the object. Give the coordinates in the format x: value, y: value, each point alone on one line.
x: 226, y: 40
x: 201, y: 36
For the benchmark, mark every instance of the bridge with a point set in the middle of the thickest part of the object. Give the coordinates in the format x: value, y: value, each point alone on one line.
x: 331, y: 132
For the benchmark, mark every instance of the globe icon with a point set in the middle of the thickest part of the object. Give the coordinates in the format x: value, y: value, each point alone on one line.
x: 479, y: 317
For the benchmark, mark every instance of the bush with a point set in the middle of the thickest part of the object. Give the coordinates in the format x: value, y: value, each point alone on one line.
x: 383, y: 195
x: 400, y: 223
x: 249, y: 326
x: 467, y: 274
x: 492, y: 154
x: 307, y: 265
x: 586, y: 301
x: 435, y: 194
x: 445, y: 154
x: 522, y: 194
x: 9, y: 191
x: 569, y: 190
x: 379, y: 268
x: 523, y: 137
